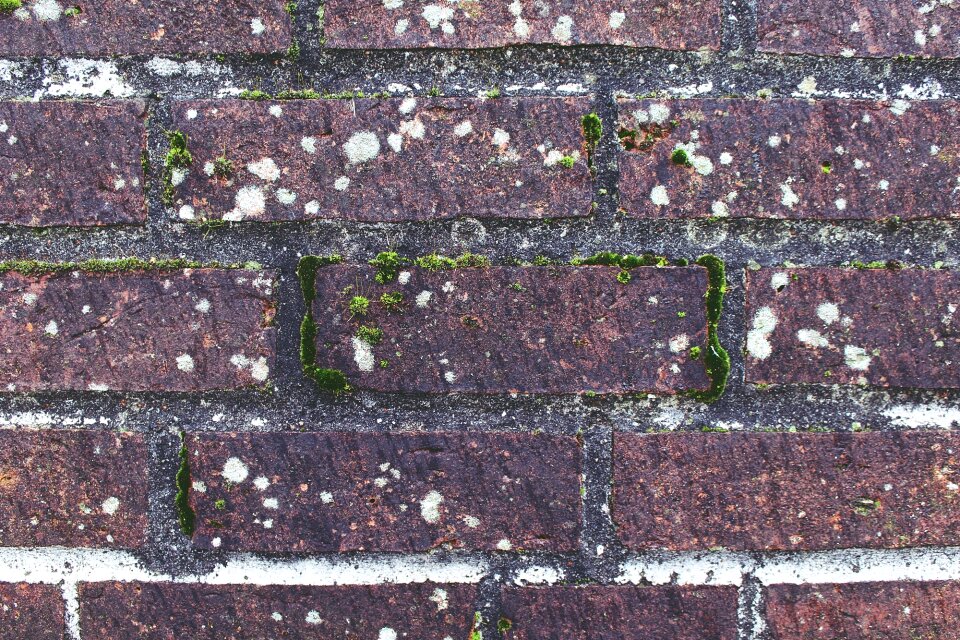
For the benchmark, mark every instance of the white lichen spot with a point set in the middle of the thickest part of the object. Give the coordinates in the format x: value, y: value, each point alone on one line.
x: 404, y: 277
x: 342, y: 183
x: 920, y: 38
x: 465, y: 128
x: 249, y: 202
x: 192, y: 114
x: 471, y: 521
x: 501, y: 138
x: 563, y: 30
x: 616, y: 19
x: 177, y: 176
x: 326, y: 497
x: 450, y: 377
x: 313, y: 617
x: 119, y: 183
x: 430, y: 507
x: 899, y: 107
x: 395, y: 140
x: 276, y: 111
x: 828, y: 312
x: 259, y: 369
x: 726, y: 158
x: 841, y: 204
x: 679, y: 344
x: 440, y: 597
x: 413, y: 128
x: 401, y: 27
x: 285, y: 196
x: 110, y: 505
x: 271, y: 503
x: 265, y: 169
x: 52, y: 329
x: 209, y: 168
x: 47, y: 10
x: 235, y: 471
x: 387, y: 634
x: 216, y: 542
x: 312, y: 208
x: 883, y: 185
x: 720, y: 209
x: 257, y: 27
x: 408, y: 105
x: 185, y: 363
x: 262, y: 483
x: 436, y: 16
x: 186, y: 212
x: 199, y: 486
x: 774, y: 141
x: 504, y: 545
x: 308, y: 144
x: 779, y: 280
x: 203, y: 306
x: 276, y: 615
x: 448, y: 287
x: 392, y: 4
x: 659, y: 196
x: 29, y: 298
x: 659, y: 113
x: 363, y: 354
x: 764, y: 322
x: 856, y: 357
x: 812, y: 338
x: 423, y: 298
x: 789, y: 197
x: 363, y: 146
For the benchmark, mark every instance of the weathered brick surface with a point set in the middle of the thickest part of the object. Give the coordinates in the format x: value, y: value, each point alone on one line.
x: 71, y: 163
x: 132, y: 611
x: 864, y: 611
x: 863, y: 28
x: 853, y: 326
x: 620, y: 613
x: 186, y: 330
x: 524, y: 329
x: 113, y: 27
x: 72, y: 488
x: 385, y: 160
x: 364, y: 492
x: 829, y: 159
x: 667, y: 24
x: 33, y: 611
x: 786, y: 491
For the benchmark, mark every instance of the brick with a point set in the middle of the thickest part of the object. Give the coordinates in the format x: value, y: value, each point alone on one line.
x: 71, y: 163
x: 184, y: 330
x: 115, y: 27
x: 309, y: 492
x: 864, y: 611
x: 787, y: 491
x: 385, y: 160
x: 72, y: 488
x: 853, y: 326
x: 620, y: 613
x: 34, y: 611
x: 517, y: 329
x: 666, y: 24
x: 862, y: 28
x: 825, y: 160
x: 158, y: 611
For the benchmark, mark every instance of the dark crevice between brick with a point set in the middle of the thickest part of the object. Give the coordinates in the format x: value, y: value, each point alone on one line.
x: 715, y: 358
x: 331, y: 380
x: 186, y: 516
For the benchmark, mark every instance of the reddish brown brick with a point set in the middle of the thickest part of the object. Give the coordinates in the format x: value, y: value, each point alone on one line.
x: 115, y: 27
x: 787, y: 490
x: 185, y: 330
x: 72, y: 488
x: 829, y: 159
x: 365, y: 492
x: 851, y: 326
x: 863, y: 28
x: 71, y: 163
x: 666, y: 24
x: 620, y: 613
x: 864, y: 611
x: 521, y: 329
x: 385, y: 160
x: 159, y: 611
x: 34, y: 611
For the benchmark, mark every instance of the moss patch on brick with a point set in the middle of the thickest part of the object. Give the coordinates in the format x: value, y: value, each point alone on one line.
x: 330, y: 380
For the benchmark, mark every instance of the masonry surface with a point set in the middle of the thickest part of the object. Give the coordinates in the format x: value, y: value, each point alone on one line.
x: 423, y: 319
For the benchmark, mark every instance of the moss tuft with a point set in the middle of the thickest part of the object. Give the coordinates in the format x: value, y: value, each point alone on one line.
x: 359, y: 305
x: 186, y: 516
x: 223, y: 168
x: 37, y: 268
x: 370, y: 334
x: 9, y: 6
x: 715, y: 357
x: 436, y: 262
x: 592, y: 132
x: 330, y: 380
x: 178, y: 157
x: 388, y: 264
x: 392, y: 301
x: 680, y: 157
x: 254, y: 94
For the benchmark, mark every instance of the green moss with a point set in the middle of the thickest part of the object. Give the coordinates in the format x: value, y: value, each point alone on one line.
x: 254, y: 94
x: 178, y: 157
x: 392, y: 301
x: 624, y: 276
x: 298, y: 94
x: 493, y: 93
x: 695, y: 353
x: 330, y: 380
x: 220, y: 504
x: 9, y: 6
x: 592, y: 132
x: 388, y: 264
x: 72, y: 12
x: 369, y: 334
x: 359, y: 305
x: 826, y: 167
x: 504, y: 624
x: 434, y: 92
x: 37, y: 268
x: 186, y: 516
x: 290, y: 8
x: 716, y: 359
x: 567, y: 162
x: 680, y: 157
x: 436, y: 262
x: 223, y: 168
x: 865, y: 506
x: 475, y: 633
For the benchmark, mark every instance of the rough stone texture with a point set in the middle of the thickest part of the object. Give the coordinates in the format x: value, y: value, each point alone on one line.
x: 188, y: 330
x: 666, y: 24
x: 385, y: 160
x: 160, y: 611
x: 316, y: 492
x: 71, y: 163
x: 853, y: 326
x: 825, y: 160
x: 621, y: 613
x: 72, y: 488
x: 113, y: 27
x: 33, y: 611
x: 863, y: 28
x: 518, y: 329
x: 786, y: 490
x: 864, y: 611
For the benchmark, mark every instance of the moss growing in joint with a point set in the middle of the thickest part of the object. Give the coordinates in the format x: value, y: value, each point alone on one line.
x: 388, y: 264
x: 186, y: 516
x: 177, y: 158
x: 254, y: 94
x: 436, y: 262
x: 493, y: 93
x: 592, y: 132
x: 715, y: 357
x: 330, y: 380
x: 298, y: 94
x: 9, y: 6
x: 37, y: 268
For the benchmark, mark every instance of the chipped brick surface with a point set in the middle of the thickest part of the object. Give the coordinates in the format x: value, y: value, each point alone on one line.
x: 620, y: 613
x: 33, y: 611
x: 384, y: 160
x: 134, y: 611
x: 72, y: 488
x: 787, y: 491
x: 882, y: 327
x: 864, y: 611
x: 523, y: 329
x: 188, y: 330
x: 829, y: 159
x: 862, y: 28
x: 71, y: 163
x: 665, y: 24
x: 113, y: 27
x: 318, y: 492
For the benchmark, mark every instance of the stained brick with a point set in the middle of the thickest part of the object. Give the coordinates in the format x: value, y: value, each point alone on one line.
x: 34, y: 611
x: 786, y: 491
x: 114, y: 27
x: 71, y: 163
x: 72, y: 488
x: 666, y: 24
x: 864, y: 611
x: 523, y: 329
x: 620, y: 613
x: 829, y: 159
x: 363, y: 492
x: 158, y: 611
x: 185, y: 330
x: 384, y: 160
x: 863, y: 28
x: 853, y: 326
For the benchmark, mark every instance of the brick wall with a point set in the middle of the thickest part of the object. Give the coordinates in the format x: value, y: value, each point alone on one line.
x: 389, y: 319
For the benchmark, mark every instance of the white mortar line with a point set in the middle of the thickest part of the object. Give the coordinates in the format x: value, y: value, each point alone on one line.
x: 71, y: 610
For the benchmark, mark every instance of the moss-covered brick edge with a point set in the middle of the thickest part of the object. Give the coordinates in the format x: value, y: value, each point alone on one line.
x: 331, y: 380
x: 114, y: 265
x: 186, y: 516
